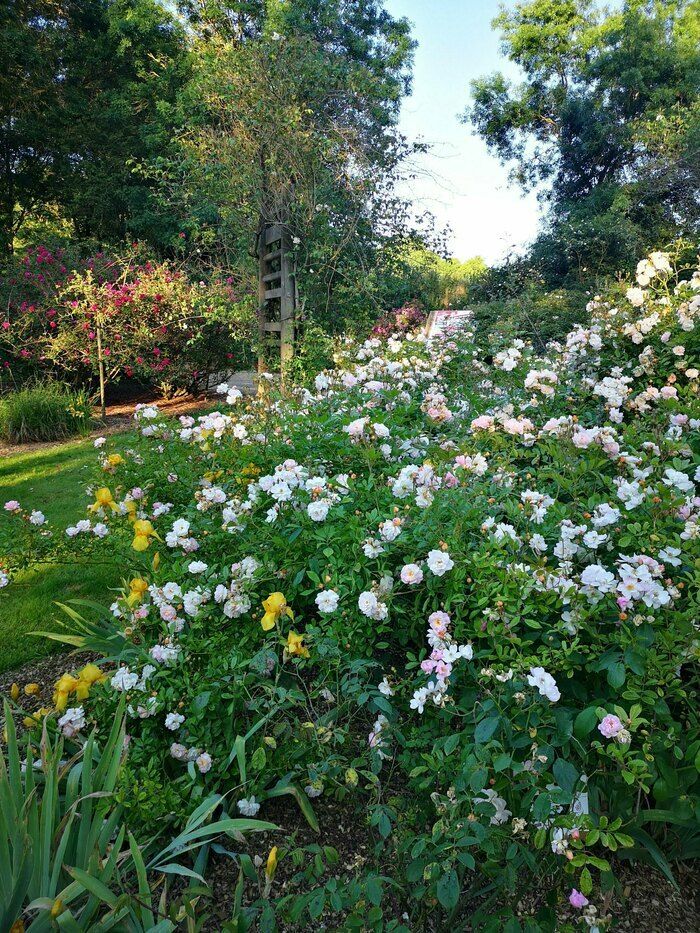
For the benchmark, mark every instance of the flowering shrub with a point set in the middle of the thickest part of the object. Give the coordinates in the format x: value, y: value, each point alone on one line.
x: 400, y: 321
x: 465, y: 594
x: 135, y: 317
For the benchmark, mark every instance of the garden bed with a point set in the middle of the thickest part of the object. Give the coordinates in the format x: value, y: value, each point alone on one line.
x: 448, y: 610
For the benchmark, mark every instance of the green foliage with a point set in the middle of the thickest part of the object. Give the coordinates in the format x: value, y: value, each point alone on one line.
x: 64, y: 848
x: 535, y: 315
x: 313, y: 351
x: 409, y: 272
x: 44, y: 412
x: 84, y: 92
x: 607, y: 117
x: 57, y: 823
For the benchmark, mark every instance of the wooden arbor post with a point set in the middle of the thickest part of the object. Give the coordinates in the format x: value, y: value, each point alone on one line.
x: 277, y: 290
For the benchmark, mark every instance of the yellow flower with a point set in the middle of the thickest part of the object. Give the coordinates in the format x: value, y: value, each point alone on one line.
x: 271, y: 866
x: 66, y: 685
x: 143, y: 532
x: 130, y: 506
x: 35, y: 718
x: 57, y: 908
x: 275, y: 606
x: 14, y: 691
x: 114, y: 460
x: 295, y: 646
x: 103, y: 500
x: 90, y: 674
x: 137, y: 588
x: 31, y: 690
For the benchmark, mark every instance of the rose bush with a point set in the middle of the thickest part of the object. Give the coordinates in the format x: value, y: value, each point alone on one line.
x: 462, y: 595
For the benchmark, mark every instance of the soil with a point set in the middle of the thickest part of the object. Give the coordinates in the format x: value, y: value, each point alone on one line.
x: 647, y: 903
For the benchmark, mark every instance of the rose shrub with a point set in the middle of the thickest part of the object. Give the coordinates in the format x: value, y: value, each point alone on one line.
x: 491, y: 571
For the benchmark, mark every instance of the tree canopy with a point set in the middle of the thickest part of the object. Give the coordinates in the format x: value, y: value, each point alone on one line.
x: 606, y: 123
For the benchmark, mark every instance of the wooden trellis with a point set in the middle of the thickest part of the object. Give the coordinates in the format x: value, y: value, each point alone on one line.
x: 277, y: 298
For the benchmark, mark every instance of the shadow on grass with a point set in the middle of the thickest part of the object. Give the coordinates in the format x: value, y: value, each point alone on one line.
x: 52, y: 480
x: 28, y: 605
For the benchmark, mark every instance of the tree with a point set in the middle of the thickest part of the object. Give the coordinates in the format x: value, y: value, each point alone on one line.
x: 290, y: 117
x: 85, y: 89
x: 606, y: 122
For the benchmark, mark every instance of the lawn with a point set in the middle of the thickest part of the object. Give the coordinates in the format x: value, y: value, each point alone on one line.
x: 50, y: 479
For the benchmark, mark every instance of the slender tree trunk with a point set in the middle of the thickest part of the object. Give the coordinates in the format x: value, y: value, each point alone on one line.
x: 101, y: 371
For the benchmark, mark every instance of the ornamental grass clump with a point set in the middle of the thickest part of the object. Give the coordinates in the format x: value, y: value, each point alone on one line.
x: 459, y: 601
x: 44, y: 412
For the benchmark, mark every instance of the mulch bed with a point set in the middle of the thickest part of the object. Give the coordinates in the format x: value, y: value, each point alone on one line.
x: 45, y: 672
x: 648, y: 902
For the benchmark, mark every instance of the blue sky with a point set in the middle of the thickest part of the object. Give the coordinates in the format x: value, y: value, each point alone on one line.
x: 471, y: 193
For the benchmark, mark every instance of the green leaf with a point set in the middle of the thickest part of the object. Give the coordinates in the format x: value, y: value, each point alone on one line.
x: 448, y: 889
x: 485, y: 729
x: 542, y: 808
x: 501, y: 762
x: 565, y: 774
x: 616, y: 674
x: 585, y: 722
x: 586, y: 882
x: 478, y: 779
x: 301, y: 799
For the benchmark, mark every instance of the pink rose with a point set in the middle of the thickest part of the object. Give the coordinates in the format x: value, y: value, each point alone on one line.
x: 610, y: 726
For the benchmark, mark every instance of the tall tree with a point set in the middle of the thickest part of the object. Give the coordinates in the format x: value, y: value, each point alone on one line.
x: 607, y: 121
x: 84, y: 89
x: 291, y: 117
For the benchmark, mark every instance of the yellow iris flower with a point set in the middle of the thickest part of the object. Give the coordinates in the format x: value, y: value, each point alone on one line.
x: 65, y: 685
x: 103, y: 500
x: 271, y: 866
x: 137, y: 588
x: 143, y: 532
x: 275, y: 606
x: 90, y: 674
x: 295, y: 646
x: 79, y: 685
x: 31, y: 721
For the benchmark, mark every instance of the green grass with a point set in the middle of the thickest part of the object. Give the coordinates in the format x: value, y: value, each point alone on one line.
x: 53, y: 480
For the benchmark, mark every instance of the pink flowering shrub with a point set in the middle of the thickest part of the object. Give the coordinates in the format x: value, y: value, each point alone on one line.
x: 458, y: 599
x: 400, y: 321
x: 145, y: 320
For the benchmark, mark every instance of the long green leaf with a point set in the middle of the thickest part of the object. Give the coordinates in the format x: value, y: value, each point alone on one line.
x: 301, y: 798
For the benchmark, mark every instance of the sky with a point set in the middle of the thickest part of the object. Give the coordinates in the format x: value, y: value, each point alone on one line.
x: 471, y: 193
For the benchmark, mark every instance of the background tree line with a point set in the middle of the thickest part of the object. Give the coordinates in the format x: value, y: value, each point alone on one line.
x: 185, y: 126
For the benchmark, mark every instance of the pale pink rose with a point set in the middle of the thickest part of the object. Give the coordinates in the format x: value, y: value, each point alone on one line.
x: 482, y: 423
x: 610, y: 726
